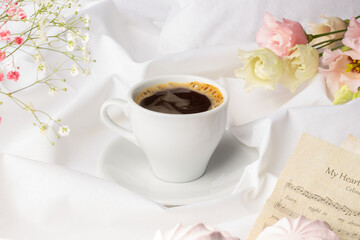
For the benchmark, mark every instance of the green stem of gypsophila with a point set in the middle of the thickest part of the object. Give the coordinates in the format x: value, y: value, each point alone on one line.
x: 36, y: 82
x: 34, y: 112
x: 17, y: 48
x: 28, y: 86
x: 28, y: 37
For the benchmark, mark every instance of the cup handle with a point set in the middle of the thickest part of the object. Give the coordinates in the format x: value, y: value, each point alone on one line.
x: 129, y: 135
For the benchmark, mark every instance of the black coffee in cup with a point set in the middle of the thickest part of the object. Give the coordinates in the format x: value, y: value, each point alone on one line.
x: 180, y: 98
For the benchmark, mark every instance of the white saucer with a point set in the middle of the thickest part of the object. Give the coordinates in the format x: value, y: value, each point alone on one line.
x: 125, y: 163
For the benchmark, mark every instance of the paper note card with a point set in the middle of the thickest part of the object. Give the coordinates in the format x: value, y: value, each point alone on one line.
x: 320, y: 181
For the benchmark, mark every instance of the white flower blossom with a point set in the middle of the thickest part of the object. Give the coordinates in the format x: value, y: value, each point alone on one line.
x: 79, y: 32
x: 85, y: 38
x: 85, y: 54
x: 43, y: 21
x: 71, y: 45
x: 86, y: 20
x: 38, y: 57
x: 43, y: 36
x: 52, y: 91
x: 64, y: 131
x: 42, y: 67
x: 86, y: 72
x: 29, y: 107
x: 44, y: 128
x: 74, y: 70
x: 61, y: 22
x: 71, y: 36
x: 86, y: 58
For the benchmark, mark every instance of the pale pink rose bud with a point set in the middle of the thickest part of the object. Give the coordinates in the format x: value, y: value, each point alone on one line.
x: 280, y: 36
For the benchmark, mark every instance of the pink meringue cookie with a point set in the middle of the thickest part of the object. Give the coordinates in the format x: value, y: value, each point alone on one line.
x: 194, y: 232
x: 300, y: 228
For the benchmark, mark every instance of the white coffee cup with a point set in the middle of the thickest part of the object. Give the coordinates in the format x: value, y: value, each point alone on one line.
x: 178, y: 146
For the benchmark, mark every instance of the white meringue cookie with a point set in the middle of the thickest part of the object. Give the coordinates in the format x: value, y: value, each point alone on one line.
x: 194, y: 232
x: 300, y: 228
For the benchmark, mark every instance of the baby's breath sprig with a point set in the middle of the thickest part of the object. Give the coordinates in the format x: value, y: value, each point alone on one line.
x: 51, y: 29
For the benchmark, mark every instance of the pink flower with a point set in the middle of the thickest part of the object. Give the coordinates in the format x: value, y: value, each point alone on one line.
x: 352, y: 35
x: 1, y: 77
x: 21, y: 14
x: 18, y: 40
x: 12, y: 10
x: 330, y: 56
x: 343, y: 68
x: 2, y: 56
x: 280, y: 36
x: 13, y: 75
x: 4, y: 35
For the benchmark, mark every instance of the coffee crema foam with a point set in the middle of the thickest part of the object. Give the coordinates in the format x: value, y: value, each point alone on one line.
x: 211, y: 92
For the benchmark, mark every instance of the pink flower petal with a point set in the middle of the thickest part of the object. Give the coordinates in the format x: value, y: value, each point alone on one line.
x: 352, y: 83
x: 13, y: 75
x: 352, y: 35
x: 280, y: 36
x: 330, y: 56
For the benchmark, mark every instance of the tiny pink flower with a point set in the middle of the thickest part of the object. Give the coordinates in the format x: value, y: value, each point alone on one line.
x: 18, y: 40
x: 352, y: 35
x: 2, y: 56
x: 4, y: 35
x: 13, y: 75
x: 21, y: 14
x: 1, y: 77
x: 12, y: 10
x: 280, y: 36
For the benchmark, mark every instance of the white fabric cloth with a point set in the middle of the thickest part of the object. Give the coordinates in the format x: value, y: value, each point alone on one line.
x: 56, y: 192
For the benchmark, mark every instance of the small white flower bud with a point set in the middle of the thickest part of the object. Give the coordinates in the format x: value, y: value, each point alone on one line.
x: 74, y: 70
x: 64, y: 131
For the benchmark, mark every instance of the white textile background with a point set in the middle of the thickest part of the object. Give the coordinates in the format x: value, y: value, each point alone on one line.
x: 57, y: 192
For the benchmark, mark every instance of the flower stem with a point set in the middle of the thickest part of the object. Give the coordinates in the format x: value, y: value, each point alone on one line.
x: 327, y: 41
x: 332, y: 49
x: 312, y: 37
